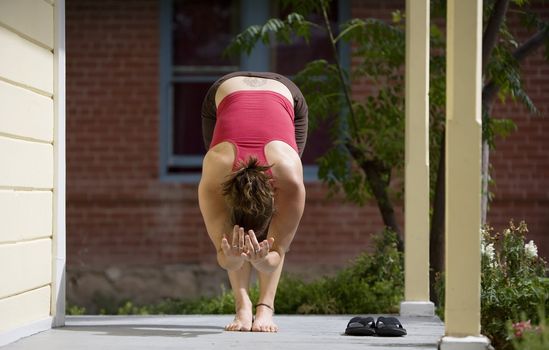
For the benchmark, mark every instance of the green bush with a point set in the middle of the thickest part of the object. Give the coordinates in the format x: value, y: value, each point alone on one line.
x: 524, y: 336
x: 374, y: 283
x: 514, y: 282
x: 75, y: 310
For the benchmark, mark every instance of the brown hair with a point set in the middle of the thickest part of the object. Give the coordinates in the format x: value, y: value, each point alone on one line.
x: 249, y: 194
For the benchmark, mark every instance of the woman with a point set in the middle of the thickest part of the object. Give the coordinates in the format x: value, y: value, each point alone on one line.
x: 251, y: 193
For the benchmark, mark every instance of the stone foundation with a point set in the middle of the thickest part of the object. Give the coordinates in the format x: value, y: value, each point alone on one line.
x: 93, y: 289
x: 142, y: 285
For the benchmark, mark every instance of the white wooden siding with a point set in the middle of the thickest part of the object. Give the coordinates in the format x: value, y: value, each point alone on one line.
x: 26, y: 164
x: 25, y: 265
x: 32, y: 19
x: 25, y: 308
x: 25, y: 114
x: 27, y: 119
x: 25, y: 215
x: 25, y: 63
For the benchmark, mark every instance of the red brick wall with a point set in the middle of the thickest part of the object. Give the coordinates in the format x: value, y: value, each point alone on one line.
x: 120, y: 214
x: 118, y: 211
x: 521, y: 162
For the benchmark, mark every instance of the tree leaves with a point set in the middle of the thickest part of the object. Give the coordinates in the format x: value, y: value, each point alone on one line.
x: 377, y: 130
x: 380, y: 46
x: 294, y: 25
x: 319, y: 82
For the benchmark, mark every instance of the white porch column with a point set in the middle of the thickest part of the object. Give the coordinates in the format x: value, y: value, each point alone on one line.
x: 463, y: 175
x: 416, y: 202
x: 59, y: 148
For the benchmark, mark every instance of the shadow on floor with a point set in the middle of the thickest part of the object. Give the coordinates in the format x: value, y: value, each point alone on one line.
x: 147, y: 330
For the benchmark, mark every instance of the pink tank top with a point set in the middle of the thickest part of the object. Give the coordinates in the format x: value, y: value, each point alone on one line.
x: 252, y: 118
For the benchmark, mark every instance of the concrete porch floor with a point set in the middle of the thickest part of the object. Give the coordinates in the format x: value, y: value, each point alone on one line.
x: 206, y: 332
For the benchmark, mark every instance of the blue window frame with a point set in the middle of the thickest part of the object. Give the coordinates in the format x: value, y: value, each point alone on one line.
x: 185, y: 78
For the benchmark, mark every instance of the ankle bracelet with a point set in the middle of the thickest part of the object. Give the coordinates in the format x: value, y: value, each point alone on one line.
x: 267, y: 306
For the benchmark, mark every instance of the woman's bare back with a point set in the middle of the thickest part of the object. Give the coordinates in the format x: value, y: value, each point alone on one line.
x: 251, y: 83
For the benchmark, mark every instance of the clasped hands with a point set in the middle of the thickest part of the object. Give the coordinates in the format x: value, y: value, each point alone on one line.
x: 246, y: 246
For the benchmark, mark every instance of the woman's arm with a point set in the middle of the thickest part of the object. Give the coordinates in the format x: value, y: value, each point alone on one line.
x: 284, y: 226
x: 289, y: 204
x: 214, y: 210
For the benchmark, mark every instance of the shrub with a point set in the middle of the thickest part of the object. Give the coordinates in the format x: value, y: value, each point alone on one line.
x: 525, y: 336
x: 374, y: 283
x: 514, y: 282
x: 75, y: 310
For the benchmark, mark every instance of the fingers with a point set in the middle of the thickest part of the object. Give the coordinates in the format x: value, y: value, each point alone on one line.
x: 249, y: 248
x: 264, y: 249
x: 254, y: 249
x: 241, y: 238
x: 225, y: 246
x: 253, y: 241
x: 266, y: 246
x: 235, y: 236
x: 237, y: 247
x: 249, y: 245
x: 270, y: 241
x: 246, y: 245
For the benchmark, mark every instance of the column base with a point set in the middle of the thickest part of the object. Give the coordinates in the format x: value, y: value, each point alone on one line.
x: 464, y: 343
x: 417, y: 308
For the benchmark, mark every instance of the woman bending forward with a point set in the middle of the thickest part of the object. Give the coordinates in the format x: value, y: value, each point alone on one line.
x: 251, y: 193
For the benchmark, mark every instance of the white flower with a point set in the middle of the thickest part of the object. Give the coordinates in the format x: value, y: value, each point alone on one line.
x: 488, y: 250
x: 531, y: 250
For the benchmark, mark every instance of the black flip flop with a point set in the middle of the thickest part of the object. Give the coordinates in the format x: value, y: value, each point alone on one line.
x: 361, y: 326
x: 389, y: 327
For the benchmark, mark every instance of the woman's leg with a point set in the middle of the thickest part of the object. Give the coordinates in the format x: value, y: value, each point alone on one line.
x: 268, y: 283
x: 240, y: 282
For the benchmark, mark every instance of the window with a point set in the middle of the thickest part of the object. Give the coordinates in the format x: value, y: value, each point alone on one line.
x: 191, y: 60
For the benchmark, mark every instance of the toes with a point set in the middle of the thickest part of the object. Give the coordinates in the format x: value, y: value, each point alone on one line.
x: 233, y: 327
x: 238, y: 326
x: 268, y: 328
x: 264, y: 328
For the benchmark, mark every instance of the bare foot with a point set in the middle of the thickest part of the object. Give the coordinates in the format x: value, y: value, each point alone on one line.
x: 242, y: 320
x: 264, y: 320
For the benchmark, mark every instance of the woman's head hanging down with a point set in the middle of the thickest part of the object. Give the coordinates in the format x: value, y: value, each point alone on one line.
x: 250, y: 197
x: 251, y: 193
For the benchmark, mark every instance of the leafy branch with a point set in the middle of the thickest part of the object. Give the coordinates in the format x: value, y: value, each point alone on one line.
x: 282, y: 30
